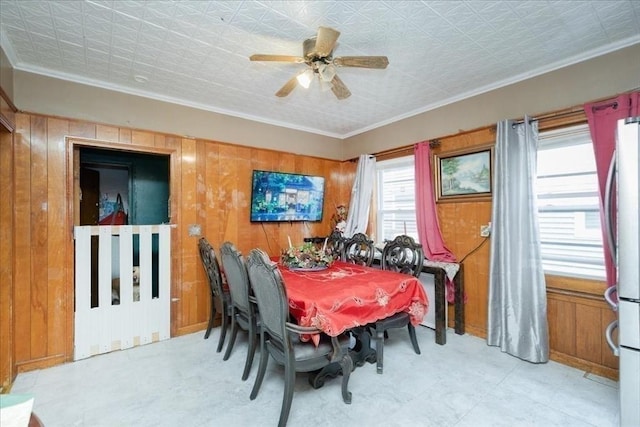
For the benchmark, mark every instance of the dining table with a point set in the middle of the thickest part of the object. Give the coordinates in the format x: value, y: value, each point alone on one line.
x: 346, y: 297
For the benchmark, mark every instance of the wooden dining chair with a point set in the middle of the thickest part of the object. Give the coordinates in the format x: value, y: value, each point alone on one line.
x: 358, y: 249
x: 216, y: 291
x: 335, y: 244
x: 280, y: 338
x: 403, y: 255
x: 244, y: 313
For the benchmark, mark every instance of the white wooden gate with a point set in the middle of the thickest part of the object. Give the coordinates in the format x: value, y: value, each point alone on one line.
x: 133, y: 321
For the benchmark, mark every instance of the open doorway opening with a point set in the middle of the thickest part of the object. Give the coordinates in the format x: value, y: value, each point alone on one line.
x: 141, y: 182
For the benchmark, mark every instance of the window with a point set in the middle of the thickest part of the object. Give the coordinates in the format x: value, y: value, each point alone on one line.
x: 568, y: 204
x: 396, y: 199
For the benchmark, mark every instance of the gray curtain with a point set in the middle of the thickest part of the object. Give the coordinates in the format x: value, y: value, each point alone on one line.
x: 517, y: 312
x: 358, y: 215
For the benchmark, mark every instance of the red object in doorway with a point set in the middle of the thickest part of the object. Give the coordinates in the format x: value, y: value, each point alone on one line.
x: 118, y: 216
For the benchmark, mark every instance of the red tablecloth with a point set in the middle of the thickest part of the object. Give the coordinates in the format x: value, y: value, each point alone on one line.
x: 347, y: 295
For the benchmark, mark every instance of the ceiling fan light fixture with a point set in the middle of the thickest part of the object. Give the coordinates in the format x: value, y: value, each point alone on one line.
x: 325, y: 86
x: 327, y: 72
x: 317, y: 54
x: 304, y: 79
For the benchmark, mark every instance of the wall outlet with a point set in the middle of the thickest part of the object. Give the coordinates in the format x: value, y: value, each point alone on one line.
x: 485, y: 230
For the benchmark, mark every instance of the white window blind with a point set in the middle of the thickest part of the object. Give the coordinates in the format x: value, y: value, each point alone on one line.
x: 568, y: 204
x: 396, y: 213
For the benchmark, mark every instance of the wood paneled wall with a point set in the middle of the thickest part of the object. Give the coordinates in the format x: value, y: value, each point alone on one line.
x: 577, y: 321
x: 7, y: 126
x: 460, y: 224
x: 7, y: 365
x: 210, y: 185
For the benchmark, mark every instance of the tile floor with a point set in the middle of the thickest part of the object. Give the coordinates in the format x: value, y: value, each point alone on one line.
x: 184, y: 382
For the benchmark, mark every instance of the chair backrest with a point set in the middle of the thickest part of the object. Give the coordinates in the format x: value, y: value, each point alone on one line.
x: 203, y: 245
x: 235, y: 271
x: 335, y: 244
x: 271, y: 296
x: 211, y: 266
x: 404, y: 255
x: 359, y: 250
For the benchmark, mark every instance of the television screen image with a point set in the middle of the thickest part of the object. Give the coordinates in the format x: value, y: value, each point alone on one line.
x: 280, y: 196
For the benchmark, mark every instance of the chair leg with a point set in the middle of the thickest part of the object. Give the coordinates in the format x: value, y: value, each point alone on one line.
x: 289, y: 381
x: 225, y: 326
x: 212, y: 316
x: 347, y: 366
x: 250, y: 353
x: 234, y: 334
x: 262, y: 368
x: 414, y: 339
x: 379, y: 349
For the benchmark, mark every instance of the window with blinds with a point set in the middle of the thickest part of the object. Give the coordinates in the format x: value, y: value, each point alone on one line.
x: 396, y: 213
x: 568, y: 204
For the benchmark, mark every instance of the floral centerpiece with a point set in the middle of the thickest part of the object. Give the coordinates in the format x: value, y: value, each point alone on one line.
x: 307, y: 256
x: 339, y: 219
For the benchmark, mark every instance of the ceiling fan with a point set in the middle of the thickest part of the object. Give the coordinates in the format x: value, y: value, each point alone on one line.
x: 317, y: 53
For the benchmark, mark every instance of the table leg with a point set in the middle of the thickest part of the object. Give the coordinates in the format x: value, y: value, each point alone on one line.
x: 441, y: 306
x: 317, y: 378
x: 361, y: 353
x: 440, y: 303
x: 458, y: 282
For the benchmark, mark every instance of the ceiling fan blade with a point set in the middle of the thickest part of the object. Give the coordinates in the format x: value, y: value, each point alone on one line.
x: 276, y: 58
x: 288, y: 87
x: 325, y: 41
x: 379, y: 62
x: 339, y: 89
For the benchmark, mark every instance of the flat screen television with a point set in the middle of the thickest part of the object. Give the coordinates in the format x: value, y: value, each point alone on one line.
x: 284, y: 197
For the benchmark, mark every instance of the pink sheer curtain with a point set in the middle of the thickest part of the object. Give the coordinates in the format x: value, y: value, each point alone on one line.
x: 426, y: 214
x: 603, y: 117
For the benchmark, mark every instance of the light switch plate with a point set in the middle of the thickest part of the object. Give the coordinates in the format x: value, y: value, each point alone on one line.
x: 195, y: 230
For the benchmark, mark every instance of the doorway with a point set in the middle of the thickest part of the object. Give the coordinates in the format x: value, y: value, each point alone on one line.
x: 122, y: 270
x: 104, y: 189
x: 141, y: 181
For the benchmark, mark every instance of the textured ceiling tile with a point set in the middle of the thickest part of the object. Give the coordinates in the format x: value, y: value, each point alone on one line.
x: 41, y: 27
x: 41, y: 42
x: 97, y: 11
x: 70, y: 37
x: 11, y: 16
x: 96, y: 26
x: 137, y: 10
x: 33, y: 9
x: 196, y: 52
x: 71, y: 11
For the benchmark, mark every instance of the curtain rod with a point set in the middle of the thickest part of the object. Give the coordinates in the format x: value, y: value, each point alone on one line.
x: 575, y: 111
x: 613, y: 104
x: 578, y: 110
x: 433, y: 143
x: 356, y: 159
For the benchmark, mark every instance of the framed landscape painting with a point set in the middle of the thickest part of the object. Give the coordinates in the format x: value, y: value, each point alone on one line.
x: 464, y: 175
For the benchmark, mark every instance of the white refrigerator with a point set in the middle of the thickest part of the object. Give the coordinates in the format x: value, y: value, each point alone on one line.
x: 624, y: 182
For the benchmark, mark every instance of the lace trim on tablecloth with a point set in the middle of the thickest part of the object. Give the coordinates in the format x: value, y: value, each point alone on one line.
x: 450, y: 268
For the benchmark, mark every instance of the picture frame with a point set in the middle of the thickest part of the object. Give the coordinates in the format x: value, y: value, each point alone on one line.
x: 464, y: 175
